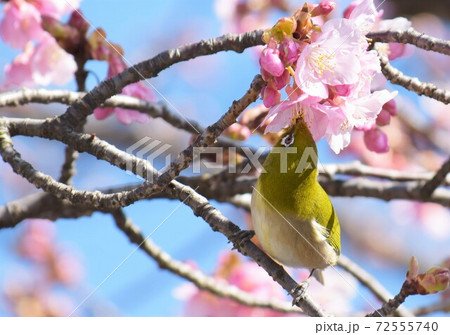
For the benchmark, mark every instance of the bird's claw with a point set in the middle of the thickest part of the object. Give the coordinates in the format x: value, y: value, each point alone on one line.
x: 299, y: 292
x: 242, y: 236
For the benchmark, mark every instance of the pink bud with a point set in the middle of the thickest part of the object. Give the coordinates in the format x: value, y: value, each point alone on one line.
x: 77, y: 21
x: 323, y: 8
x: 289, y: 51
x: 271, y: 62
x: 391, y: 107
x: 282, y: 80
x: 376, y: 140
x: 270, y: 96
x: 266, y: 75
x: 384, y: 118
x: 350, y: 9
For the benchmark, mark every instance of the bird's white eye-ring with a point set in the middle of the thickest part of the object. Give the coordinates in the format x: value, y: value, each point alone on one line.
x: 288, y: 140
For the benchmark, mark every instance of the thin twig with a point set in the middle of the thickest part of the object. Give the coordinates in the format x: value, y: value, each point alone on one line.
x: 358, y: 169
x: 79, y: 110
x: 412, y: 36
x: 413, y: 84
x: 155, y: 110
x: 431, y: 185
x: 440, y: 306
x: 370, y: 282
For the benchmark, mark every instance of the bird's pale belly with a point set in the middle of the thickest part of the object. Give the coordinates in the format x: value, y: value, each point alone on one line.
x: 292, y: 242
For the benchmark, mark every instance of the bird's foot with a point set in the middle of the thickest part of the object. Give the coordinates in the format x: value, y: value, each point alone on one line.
x: 299, y: 292
x: 241, y: 237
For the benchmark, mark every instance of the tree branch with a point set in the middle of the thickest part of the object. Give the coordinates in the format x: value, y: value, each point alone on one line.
x: 440, y: 306
x: 150, y: 68
x: 431, y: 185
x: 408, y: 288
x: 195, y: 276
x: 198, y: 203
x: 412, y: 36
x: 370, y: 282
x: 413, y: 84
x: 104, y: 150
x: 358, y: 169
x: 154, y: 110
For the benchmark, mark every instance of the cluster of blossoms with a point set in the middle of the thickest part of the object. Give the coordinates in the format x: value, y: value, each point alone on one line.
x: 55, y: 268
x: 248, y: 276
x: 55, y: 52
x: 333, y: 71
x: 44, y: 61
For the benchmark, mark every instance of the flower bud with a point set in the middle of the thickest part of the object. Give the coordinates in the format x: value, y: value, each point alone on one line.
x: 270, y: 96
x: 376, y: 140
x: 289, y: 51
x: 383, y: 118
x: 434, y: 280
x: 323, y: 8
x: 390, y: 107
x: 271, y: 62
x: 282, y: 80
x: 77, y: 21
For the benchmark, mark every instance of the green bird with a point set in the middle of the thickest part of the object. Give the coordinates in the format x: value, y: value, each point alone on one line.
x: 292, y: 215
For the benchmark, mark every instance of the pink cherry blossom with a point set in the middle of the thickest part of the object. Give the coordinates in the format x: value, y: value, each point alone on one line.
x: 332, y: 88
x: 331, y: 60
x: 363, y: 15
x: 364, y: 109
x: 56, y: 8
x: 339, y: 139
x: 127, y: 116
x: 376, y: 140
x: 247, y: 276
x: 21, y: 23
x: 37, y: 241
x: 138, y: 90
x: 282, y: 115
x: 19, y: 72
x: 41, y: 65
x: 51, y: 64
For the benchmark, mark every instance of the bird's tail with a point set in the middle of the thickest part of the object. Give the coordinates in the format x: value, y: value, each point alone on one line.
x: 318, y: 274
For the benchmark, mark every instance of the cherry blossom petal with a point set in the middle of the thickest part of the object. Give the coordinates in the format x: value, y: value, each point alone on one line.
x: 21, y: 23
x: 51, y: 64
x: 19, y: 72
x: 56, y: 8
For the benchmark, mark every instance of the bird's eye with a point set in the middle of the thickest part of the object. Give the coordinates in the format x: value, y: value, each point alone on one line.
x: 287, y: 140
